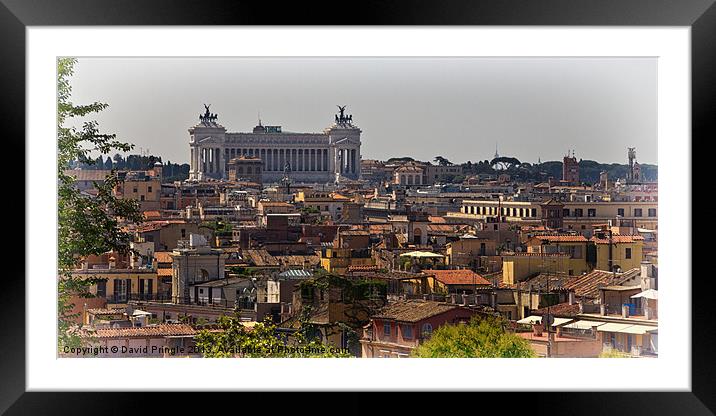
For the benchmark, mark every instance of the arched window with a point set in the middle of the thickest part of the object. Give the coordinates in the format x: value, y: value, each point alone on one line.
x: 427, y: 330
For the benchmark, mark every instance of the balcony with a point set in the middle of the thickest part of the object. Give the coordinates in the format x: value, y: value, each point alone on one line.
x: 152, y: 297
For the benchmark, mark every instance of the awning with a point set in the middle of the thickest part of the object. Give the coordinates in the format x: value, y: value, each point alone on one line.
x: 584, y: 324
x: 533, y: 319
x: 613, y: 327
x: 648, y: 294
x: 421, y: 254
x: 529, y: 320
x: 638, y: 329
x: 626, y: 328
x: 560, y: 321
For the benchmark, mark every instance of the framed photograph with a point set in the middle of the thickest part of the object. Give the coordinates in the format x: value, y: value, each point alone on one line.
x: 287, y: 203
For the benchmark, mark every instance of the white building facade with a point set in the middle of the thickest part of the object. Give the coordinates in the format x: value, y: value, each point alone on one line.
x: 307, y: 157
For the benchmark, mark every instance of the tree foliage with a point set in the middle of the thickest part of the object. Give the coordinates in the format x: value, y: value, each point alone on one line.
x: 442, y: 161
x: 613, y: 354
x: 262, y: 340
x: 482, y: 337
x: 87, y: 225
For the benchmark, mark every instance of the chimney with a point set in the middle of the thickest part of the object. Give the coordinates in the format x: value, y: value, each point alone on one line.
x: 112, y: 262
x: 602, y: 309
x: 581, y: 306
x: 594, y: 331
x: 625, y: 311
x: 571, y: 298
x: 493, y: 301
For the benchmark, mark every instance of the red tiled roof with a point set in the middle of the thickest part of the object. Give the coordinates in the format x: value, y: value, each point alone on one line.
x: 618, y: 239
x: 458, y: 277
x: 156, y: 225
x: 369, y: 268
x: 589, y: 284
x: 571, y: 238
x: 338, y: 196
x: 274, y: 204
x: 441, y: 228
x: 146, y: 331
x: 152, y: 214
x: 413, y: 310
x: 379, y: 228
x: 163, y: 256
x: 560, y: 309
x: 104, y: 311
x: 437, y: 220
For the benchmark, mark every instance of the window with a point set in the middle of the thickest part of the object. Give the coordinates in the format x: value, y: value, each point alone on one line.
x: 628, y: 253
x: 637, y: 212
x: 387, y: 329
x: 120, y: 289
x: 407, y: 332
x: 141, y: 197
x: 578, y: 212
x: 592, y: 212
x: 565, y: 212
x: 652, y: 212
x: 102, y: 289
x: 183, y: 232
x: 427, y: 330
x: 149, y: 189
x: 620, y: 212
x: 134, y: 190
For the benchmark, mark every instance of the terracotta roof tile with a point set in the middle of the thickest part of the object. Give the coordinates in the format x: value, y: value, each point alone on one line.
x: 414, y: 310
x: 561, y: 238
x: 560, y: 309
x: 163, y: 256
x: 152, y: 214
x: 458, y: 277
x: 618, y: 239
x: 146, y: 331
x: 589, y: 284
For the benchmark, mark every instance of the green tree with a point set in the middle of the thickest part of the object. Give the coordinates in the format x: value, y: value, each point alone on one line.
x: 482, y: 337
x: 86, y: 225
x: 260, y: 341
x: 613, y: 354
x: 442, y: 161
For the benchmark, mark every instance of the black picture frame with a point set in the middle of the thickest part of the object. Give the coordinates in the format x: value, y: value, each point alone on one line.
x: 16, y: 15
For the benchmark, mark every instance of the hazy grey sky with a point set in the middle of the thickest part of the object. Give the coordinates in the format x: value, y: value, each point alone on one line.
x: 419, y: 107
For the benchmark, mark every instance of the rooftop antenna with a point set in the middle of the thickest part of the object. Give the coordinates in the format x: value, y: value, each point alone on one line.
x: 260, y: 118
